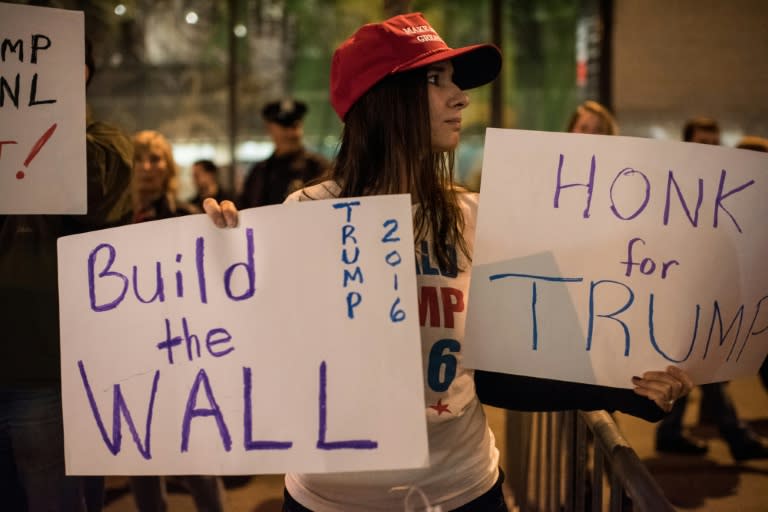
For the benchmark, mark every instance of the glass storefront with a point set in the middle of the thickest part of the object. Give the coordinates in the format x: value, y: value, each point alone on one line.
x: 200, y: 71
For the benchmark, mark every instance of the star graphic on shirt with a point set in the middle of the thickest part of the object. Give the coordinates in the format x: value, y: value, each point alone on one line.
x: 439, y: 407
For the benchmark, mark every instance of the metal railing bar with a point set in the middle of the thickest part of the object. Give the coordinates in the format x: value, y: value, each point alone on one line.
x: 570, y: 462
x: 553, y: 458
x: 549, y: 476
x: 617, y: 493
x: 631, y: 472
x: 537, y: 463
x: 597, y: 479
x: 557, y: 449
x: 581, y: 464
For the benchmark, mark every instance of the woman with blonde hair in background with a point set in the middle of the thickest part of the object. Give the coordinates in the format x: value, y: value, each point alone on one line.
x: 592, y: 117
x: 155, y: 179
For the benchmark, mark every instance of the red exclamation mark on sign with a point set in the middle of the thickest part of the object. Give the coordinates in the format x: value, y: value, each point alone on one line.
x: 36, y: 149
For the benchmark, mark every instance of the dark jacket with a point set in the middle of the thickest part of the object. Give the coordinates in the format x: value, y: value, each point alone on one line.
x: 163, y: 209
x: 29, y: 306
x: 520, y: 393
x: 272, y: 180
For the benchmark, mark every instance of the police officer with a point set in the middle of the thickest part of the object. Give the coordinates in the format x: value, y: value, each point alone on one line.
x: 291, y: 165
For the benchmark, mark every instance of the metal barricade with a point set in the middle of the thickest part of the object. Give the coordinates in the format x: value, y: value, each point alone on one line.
x: 569, y: 461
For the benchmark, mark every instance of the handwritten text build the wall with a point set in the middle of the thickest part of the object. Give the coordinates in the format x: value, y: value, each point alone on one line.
x: 114, y: 282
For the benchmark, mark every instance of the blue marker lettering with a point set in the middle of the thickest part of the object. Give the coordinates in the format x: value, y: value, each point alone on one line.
x: 653, y: 336
x: 593, y: 285
x: 348, y: 206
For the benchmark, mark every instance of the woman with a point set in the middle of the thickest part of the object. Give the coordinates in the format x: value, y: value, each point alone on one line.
x: 592, y: 117
x: 154, y: 186
x: 400, y: 92
x: 155, y: 179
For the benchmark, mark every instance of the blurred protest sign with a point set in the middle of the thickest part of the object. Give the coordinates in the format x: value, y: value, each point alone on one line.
x: 42, y: 111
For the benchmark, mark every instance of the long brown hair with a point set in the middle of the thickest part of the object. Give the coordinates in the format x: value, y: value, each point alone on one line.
x: 386, y: 149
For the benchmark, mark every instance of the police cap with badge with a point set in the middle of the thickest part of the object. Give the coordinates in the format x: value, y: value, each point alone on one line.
x: 285, y: 112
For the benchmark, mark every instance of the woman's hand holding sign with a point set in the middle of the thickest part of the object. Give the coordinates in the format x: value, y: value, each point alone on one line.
x: 663, y: 387
x: 223, y: 214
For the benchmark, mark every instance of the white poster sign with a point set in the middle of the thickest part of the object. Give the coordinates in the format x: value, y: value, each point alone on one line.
x: 42, y: 111
x: 598, y: 258
x: 290, y: 343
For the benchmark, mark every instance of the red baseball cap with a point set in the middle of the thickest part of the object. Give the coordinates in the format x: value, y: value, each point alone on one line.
x: 399, y: 44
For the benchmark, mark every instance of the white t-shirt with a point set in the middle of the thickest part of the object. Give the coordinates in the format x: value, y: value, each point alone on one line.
x: 463, y: 455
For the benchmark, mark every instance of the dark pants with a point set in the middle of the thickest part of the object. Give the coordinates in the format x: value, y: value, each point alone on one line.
x: 32, y: 454
x: 715, y: 396
x: 491, y: 501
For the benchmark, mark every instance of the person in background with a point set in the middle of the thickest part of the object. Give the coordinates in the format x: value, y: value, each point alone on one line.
x: 31, y: 429
x: 205, y: 174
x: 291, y: 165
x: 592, y: 117
x: 716, y: 404
x: 754, y: 143
x: 154, y: 187
x: 155, y: 179
x: 589, y: 117
x: 400, y: 91
x: 702, y: 130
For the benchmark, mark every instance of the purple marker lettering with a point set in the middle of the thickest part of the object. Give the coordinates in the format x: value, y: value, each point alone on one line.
x: 693, y: 220
x: 322, y: 444
x: 629, y: 172
x: 250, y: 270
x: 192, y: 411
x: 722, y: 196
x: 179, y: 279
x: 193, y: 342
x: 589, y: 185
x: 105, y: 272
x: 119, y: 407
x: 248, y: 441
x: 200, y: 264
x: 212, y: 340
x: 159, y: 285
x: 169, y: 342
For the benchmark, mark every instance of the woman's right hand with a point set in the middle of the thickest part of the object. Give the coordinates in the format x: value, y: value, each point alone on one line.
x: 223, y: 214
x: 664, y: 387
